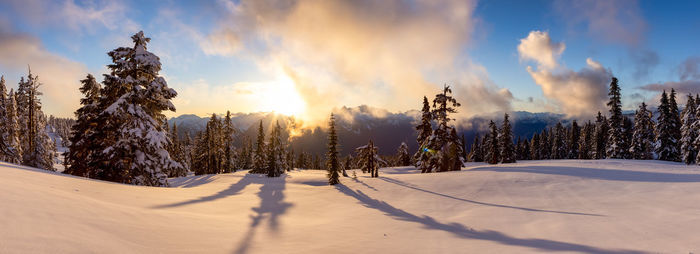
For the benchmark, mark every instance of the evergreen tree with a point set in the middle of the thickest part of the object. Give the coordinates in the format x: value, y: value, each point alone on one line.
x: 11, y: 136
x: 259, y: 153
x: 676, y: 123
x: 525, y: 150
x: 275, y: 153
x: 573, y: 140
x: 333, y: 164
x: 475, y: 155
x: 347, y: 165
x: 505, y: 139
x: 601, y: 137
x: 559, y: 150
x: 424, y: 129
x: 493, y: 151
x: 643, y: 138
x: 666, y: 146
x: 464, y: 148
x: 585, y: 149
x: 545, y: 145
x: 688, y: 134
x: 81, y: 147
x: 402, y: 155
x: 132, y: 137
x: 8, y: 152
x: 615, y: 141
x: 368, y: 158
x: 228, y: 131
x: 441, y: 150
x: 535, y: 147
x: 39, y: 149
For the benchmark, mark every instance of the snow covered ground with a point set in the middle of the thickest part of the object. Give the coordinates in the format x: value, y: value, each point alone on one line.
x: 608, y: 206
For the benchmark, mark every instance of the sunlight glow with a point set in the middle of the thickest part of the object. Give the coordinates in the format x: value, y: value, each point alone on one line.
x: 282, y: 97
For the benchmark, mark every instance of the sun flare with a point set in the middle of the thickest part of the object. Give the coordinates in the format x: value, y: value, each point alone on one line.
x: 282, y: 97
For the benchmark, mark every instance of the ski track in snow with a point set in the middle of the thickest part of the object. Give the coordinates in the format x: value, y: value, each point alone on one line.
x: 564, y: 206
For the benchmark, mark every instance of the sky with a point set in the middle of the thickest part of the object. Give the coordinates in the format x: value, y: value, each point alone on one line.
x: 306, y: 57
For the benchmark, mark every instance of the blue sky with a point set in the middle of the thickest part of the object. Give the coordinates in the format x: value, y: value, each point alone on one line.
x: 222, y: 55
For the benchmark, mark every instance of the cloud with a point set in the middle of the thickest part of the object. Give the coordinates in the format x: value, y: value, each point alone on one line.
x: 59, y: 75
x: 644, y: 63
x: 575, y: 93
x: 618, y: 21
x: 361, y: 52
x: 539, y: 47
x: 684, y: 87
x: 690, y: 69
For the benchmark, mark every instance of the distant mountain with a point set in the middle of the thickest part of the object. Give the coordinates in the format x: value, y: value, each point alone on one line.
x: 357, y: 125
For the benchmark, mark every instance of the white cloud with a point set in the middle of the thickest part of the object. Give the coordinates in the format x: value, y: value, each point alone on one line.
x: 575, y: 93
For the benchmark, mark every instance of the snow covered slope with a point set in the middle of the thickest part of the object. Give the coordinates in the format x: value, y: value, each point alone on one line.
x: 609, y: 206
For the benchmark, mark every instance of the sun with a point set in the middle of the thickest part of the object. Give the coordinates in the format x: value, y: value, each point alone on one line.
x: 282, y: 97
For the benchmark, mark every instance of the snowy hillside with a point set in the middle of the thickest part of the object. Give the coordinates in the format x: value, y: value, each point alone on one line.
x: 605, y: 206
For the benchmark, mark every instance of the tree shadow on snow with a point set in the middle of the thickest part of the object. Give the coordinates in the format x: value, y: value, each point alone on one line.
x: 410, y: 186
x: 272, y: 206
x: 601, y: 174
x: 192, y: 181
x: 462, y: 231
x: 232, y: 190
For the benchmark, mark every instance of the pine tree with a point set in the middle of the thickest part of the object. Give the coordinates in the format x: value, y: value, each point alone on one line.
x: 368, y: 158
x: 39, y: 151
x: 259, y: 153
x: 545, y: 145
x: 643, y: 138
x: 535, y: 147
x: 559, y: 150
x: 676, y: 124
x: 464, y: 148
x: 333, y: 164
x: 228, y: 132
x: 688, y: 134
x: 402, y: 155
x: 615, y: 142
x: 275, y: 152
x: 493, y: 151
x: 81, y: 148
x: 666, y: 146
x: 585, y: 142
x: 573, y: 140
x: 475, y: 155
x: 424, y: 129
x: 526, y: 150
x: 441, y: 150
x: 601, y: 137
x: 132, y: 137
x: 12, y: 130
x: 505, y: 139
x: 8, y: 152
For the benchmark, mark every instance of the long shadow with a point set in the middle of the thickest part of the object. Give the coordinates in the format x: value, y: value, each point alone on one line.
x: 462, y: 231
x: 272, y: 206
x: 234, y: 189
x: 602, y: 174
x: 364, y: 184
x: 191, y: 181
x: 397, y: 182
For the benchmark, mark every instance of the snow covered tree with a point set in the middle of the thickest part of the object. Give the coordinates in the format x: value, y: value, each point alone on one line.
x: 666, y: 146
x: 559, y: 150
x: 688, y: 134
x: 615, y: 141
x: 275, y: 165
x: 601, y: 137
x: 545, y: 145
x: 585, y: 149
x: 132, y: 139
x: 259, y: 153
x: 505, y: 142
x: 642, y: 146
x: 368, y: 159
x: 535, y: 147
x: 464, y: 148
x: 572, y: 141
x: 492, y: 149
x: 332, y: 162
x: 441, y: 150
x: 228, y: 132
x: 475, y: 154
x: 81, y: 146
x: 402, y: 155
x: 8, y: 151
x: 675, y: 117
x: 424, y: 129
x: 11, y: 131
x: 39, y: 150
